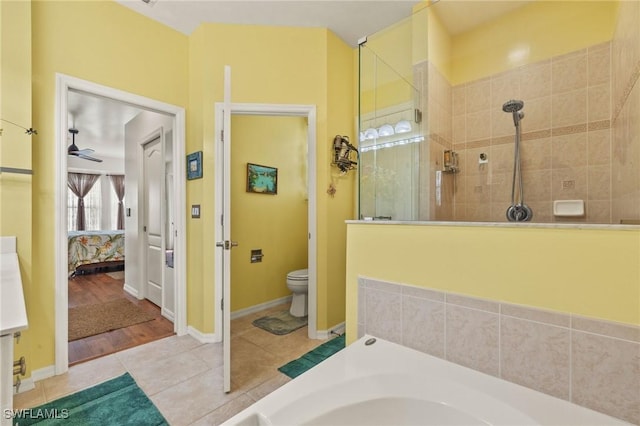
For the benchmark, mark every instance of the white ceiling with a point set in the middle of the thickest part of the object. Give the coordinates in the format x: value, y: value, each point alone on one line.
x: 101, y: 121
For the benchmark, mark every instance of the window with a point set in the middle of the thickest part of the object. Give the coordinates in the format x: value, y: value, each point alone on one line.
x: 92, y: 208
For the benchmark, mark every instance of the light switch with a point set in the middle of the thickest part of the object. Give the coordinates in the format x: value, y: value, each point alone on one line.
x: 195, y: 211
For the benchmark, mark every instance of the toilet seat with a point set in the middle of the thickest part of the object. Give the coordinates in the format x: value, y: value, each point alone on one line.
x: 298, y: 275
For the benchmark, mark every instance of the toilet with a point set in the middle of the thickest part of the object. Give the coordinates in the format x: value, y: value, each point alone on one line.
x: 298, y: 283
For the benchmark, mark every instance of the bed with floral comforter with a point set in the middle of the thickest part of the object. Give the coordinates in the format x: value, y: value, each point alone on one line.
x: 95, y: 247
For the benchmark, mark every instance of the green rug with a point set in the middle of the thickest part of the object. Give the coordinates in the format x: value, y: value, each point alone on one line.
x: 298, y: 366
x: 280, y: 323
x: 116, y: 402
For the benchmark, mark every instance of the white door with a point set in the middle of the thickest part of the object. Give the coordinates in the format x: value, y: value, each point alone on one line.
x: 227, y: 243
x: 153, y: 171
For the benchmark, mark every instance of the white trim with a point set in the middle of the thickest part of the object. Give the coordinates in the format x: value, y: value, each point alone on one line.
x: 204, y: 337
x: 132, y: 291
x: 327, y: 334
x: 308, y: 111
x: 36, y: 375
x: 63, y: 84
x: 167, y: 314
x: 257, y: 308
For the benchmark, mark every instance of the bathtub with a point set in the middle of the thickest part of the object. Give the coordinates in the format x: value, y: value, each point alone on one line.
x: 387, y: 384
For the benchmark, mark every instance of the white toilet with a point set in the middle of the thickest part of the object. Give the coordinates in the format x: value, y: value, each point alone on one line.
x: 298, y: 283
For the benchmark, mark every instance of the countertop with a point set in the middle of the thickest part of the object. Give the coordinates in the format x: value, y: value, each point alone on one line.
x: 13, y: 312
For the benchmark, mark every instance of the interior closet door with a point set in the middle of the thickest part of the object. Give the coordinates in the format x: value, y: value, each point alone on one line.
x: 153, y: 167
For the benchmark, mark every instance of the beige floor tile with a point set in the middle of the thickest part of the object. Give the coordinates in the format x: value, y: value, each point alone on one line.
x: 157, y: 376
x: 250, y: 364
x: 192, y: 399
x: 157, y: 350
x: 82, y: 376
x: 224, y: 413
x: 290, y: 346
x: 267, y: 387
x: 30, y: 399
x: 210, y: 353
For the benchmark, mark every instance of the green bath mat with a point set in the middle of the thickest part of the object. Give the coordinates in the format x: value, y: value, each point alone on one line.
x: 115, y: 402
x: 298, y: 366
x: 280, y: 323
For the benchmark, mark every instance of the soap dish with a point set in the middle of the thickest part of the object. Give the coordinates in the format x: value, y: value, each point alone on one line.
x: 568, y: 208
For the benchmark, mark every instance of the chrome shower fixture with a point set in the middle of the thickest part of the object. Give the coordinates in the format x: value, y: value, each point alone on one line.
x: 342, y: 153
x: 514, y: 106
x: 518, y: 211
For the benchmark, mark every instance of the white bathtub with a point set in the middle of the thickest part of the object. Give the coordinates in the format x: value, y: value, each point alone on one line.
x: 388, y: 384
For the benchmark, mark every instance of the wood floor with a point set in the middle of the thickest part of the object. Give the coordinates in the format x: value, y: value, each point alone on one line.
x: 100, y: 287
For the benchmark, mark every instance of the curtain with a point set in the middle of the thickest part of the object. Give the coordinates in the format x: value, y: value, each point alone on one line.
x: 80, y: 184
x: 117, y: 181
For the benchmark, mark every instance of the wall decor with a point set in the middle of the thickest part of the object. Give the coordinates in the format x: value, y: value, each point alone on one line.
x: 194, y: 165
x: 262, y: 179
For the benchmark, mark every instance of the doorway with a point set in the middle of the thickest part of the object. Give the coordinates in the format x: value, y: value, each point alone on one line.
x: 222, y: 261
x: 133, y: 230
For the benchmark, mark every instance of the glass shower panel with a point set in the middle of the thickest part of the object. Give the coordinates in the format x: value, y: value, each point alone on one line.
x: 389, y: 134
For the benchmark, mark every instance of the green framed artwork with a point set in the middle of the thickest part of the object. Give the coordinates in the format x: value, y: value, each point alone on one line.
x: 262, y: 179
x: 194, y: 165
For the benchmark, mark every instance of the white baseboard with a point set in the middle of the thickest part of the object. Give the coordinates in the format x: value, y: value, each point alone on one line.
x: 132, y: 291
x: 167, y: 314
x: 36, y: 375
x: 204, y: 337
x: 327, y: 334
x: 257, y: 308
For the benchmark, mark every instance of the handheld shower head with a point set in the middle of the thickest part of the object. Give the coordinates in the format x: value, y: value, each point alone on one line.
x: 514, y: 106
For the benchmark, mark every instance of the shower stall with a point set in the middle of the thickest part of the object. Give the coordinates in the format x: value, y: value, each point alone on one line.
x: 448, y: 84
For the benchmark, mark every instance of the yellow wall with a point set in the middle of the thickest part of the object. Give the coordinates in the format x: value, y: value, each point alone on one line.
x: 102, y: 42
x: 282, y: 65
x: 15, y: 145
x: 439, y: 43
x: 594, y: 273
x: 539, y: 30
x: 277, y: 224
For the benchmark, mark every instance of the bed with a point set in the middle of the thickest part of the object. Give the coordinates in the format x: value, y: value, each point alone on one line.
x: 95, y: 249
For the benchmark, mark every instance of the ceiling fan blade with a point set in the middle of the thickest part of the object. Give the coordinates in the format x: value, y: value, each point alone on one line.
x: 86, y: 157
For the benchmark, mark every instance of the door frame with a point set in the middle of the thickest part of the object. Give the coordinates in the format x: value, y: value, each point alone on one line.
x: 308, y: 111
x: 64, y: 83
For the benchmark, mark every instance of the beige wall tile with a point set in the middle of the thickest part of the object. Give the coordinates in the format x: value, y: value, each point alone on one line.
x: 537, y: 114
x: 599, y: 58
x: 537, y: 185
x: 459, y: 100
x: 423, y: 325
x: 478, y: 96
x: 501, y: 123
x: 383, y: 314
x: 569, y: 151
x: 599, y: 102
x: 472, y: 339
x: 535, y: 314
x: 478, y: 125
x: 598, y: 211
x: 499, y: 210
x: 473, y: 302
x: 562, y: 179
x: 606, y: 328
x: 569, y: 108
x: 542, y: 210
x: 501, y: 158
x: 606, y: 375
x: 478, y: 212
x: 535, y: 80
x: 535, y: 154
x: 569, y: 72
x: 599, y: 183
x: 501, y: 189
x: 423, y: 293
x: 504, y: 87
x: 599, y: 147
x: 535, y: 355
x: 459, y: 130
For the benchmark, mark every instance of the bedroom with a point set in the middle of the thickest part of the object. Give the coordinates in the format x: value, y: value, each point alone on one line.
x: 105, y: 314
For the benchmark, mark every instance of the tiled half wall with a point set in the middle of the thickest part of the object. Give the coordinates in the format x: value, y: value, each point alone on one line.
x: 589, y: 362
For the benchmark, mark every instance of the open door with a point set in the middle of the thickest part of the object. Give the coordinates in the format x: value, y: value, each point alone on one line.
x: 226, y: 244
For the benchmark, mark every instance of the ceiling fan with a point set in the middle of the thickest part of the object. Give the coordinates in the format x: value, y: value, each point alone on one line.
x: 81, y: 153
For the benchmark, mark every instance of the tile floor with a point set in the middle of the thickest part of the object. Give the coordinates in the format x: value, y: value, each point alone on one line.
x: 183, y: 377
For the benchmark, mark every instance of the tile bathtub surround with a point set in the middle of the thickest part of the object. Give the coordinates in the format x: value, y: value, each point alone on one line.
x: 590, y: 362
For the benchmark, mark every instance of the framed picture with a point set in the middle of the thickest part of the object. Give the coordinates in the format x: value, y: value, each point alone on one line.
x: 194, y: 165
x: 262, y: 179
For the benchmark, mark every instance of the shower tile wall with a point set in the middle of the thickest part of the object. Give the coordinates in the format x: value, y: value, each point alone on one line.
x: 626, y: 115
x: 566, y: 138
x: 590, y: 362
